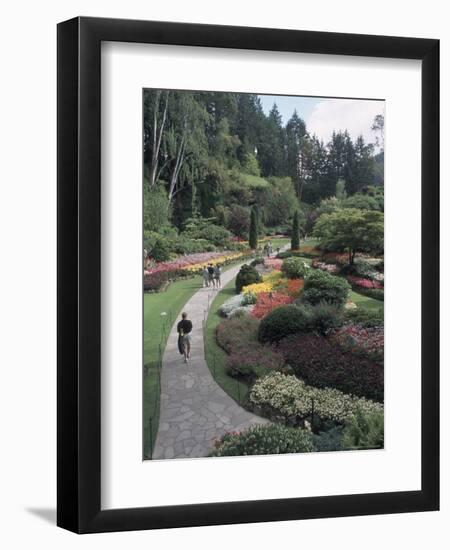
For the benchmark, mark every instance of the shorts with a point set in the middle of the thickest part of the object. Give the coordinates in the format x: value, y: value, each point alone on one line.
x: 187, y: 338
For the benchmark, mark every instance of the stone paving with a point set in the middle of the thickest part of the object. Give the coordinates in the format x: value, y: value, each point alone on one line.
x: 194, y: 409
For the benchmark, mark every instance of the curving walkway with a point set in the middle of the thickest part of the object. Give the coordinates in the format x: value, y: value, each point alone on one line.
x: 194, y: 408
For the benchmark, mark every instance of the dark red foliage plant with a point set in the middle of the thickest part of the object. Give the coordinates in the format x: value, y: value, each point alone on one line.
x: 323, y: 363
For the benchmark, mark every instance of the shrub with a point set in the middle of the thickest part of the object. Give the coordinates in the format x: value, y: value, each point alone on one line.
x: 365, y: 317
x: 154, y: 282
x: 329, y: 440
x: 264, y: 440
x: 204, y: 228
x: 323, y: 363
x: 291, y: 399
x: 257, y: 261
x: 182, y: 245
x: 362, y: 340
x: 247, y: 357
x: 249, y: 299
x: 323, y: 317
x: 294, y: 268
x: 227, y: 308
x: 247, y: 275
x: 161, y: 250
x: 320, y: 286
x: 281, y: 322
x: 235, y: 334
x: 364, y: 431
x: 241, y: 311
x: 254, y: 362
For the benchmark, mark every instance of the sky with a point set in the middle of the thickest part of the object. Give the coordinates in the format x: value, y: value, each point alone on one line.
x: 323, y: 115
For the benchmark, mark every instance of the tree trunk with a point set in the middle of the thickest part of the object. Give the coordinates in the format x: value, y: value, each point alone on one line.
x: 157, y: 137
x: 178, y: 164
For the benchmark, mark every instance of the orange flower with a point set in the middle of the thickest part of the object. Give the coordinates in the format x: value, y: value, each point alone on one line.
x: 295, y: 286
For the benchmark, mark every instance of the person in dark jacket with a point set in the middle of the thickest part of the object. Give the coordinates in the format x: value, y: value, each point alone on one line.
x: 184, y: 329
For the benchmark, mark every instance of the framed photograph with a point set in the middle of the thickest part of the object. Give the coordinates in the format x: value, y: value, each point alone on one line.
x: 234, y: 204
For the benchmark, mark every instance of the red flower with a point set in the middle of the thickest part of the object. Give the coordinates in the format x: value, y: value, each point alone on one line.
x: 267, y: 301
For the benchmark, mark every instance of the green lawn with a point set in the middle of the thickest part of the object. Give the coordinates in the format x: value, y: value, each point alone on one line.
x: 365, y: 302
x: 215, y: 356
x: 156, y: 331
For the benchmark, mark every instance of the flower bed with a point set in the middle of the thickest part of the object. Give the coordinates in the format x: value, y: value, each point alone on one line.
x: 330, y: 268
x: 156, y: 282
x: 263, y: 440
x: 360, y: 282
x: 192, y: 263
x: 267, y: 301
x: 323, y: 362
x: 287, y: 398
x: 367, y: 341
x: 273, y: 263
x: 257, y: 288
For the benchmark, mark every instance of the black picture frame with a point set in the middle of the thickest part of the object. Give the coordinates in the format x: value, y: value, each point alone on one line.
x: 79, y: 280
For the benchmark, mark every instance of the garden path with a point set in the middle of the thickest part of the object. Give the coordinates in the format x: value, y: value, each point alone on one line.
x: 194, y: 409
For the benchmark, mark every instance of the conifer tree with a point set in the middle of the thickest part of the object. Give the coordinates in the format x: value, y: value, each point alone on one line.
x: 253, y: 233
x: 295, y: 239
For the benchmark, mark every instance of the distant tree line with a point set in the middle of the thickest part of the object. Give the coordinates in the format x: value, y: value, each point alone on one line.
x: 218, y: 154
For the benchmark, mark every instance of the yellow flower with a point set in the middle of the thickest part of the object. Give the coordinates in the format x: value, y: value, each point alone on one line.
x: 256, y: 288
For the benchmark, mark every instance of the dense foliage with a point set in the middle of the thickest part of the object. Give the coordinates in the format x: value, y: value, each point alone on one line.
x: 264, y: 440
x: 364, y: 431
x: 294, y: 268
x: 253, y: 235
x: 287, y: 396
x: 352, y: 230
x: 323, y: 362
x: 295, y: 237
x: 281, y: 322
x: 247, y: 275
x: 247, y: 358
x: 219, y: 157
x: 321, y: 286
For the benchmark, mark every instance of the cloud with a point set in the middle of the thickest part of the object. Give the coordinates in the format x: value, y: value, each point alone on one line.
x: 353, y: 115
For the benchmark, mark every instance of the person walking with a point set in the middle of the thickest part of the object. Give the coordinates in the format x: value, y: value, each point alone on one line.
x: 205, y: 275
x: 211, y: 275
x: 217, y: 274
x: 184, y: 329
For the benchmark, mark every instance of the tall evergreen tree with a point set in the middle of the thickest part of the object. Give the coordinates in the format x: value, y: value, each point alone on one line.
x: 364, y: 168
x: 253, y: 233
x: 298, y: 152
x: 295, y: 238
